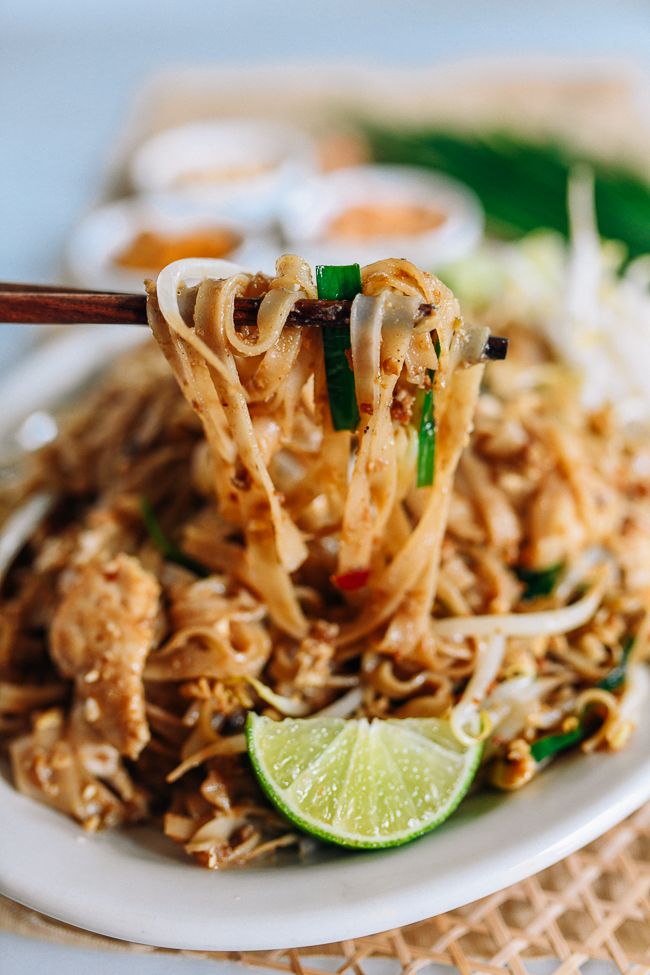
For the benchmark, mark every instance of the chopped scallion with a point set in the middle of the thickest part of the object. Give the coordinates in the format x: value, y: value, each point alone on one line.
x: 427, y: 440
x: 552, y: 744
x: 339, y: 283
x: 164, y: 545
x: 539, y: 582
x: 616, y: 676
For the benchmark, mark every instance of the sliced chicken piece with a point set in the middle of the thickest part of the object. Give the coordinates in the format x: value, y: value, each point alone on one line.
x: 101, y: 635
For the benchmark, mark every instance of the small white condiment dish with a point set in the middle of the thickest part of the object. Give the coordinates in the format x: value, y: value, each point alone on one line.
x: 105, y: 233
x: 241, y: 166
x: 313, y: 210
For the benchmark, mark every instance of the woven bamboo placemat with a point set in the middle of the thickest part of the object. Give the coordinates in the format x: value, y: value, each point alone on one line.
x: 594, y: 906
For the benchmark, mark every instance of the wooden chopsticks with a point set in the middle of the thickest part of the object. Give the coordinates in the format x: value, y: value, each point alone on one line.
x: 42, y: 304
x: 23, y: 304
x: 54, y: 305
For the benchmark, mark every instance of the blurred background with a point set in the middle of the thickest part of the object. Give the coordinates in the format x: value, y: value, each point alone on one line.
x: 69, y: 72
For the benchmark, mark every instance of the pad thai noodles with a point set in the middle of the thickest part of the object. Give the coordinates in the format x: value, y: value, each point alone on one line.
x: 221, y: 530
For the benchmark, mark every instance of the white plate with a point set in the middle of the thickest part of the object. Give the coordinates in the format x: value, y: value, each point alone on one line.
x: 138, y: 886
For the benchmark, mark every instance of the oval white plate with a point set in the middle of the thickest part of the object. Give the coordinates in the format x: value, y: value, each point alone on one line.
x: 138, y: 886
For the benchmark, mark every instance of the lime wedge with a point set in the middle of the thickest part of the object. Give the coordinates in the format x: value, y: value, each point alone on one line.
x: 360, y: 783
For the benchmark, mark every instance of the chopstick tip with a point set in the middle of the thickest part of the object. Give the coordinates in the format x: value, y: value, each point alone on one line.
x: 496, y: 348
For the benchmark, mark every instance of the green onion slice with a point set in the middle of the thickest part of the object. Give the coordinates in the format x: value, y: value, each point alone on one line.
x: 552, y: 744
x: 540, y: 582
x: 616, y: 676
x: 339, y: 283
x: 164, y: 545
x: 427, y: 440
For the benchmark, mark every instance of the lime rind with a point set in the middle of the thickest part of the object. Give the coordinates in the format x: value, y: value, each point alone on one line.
x: 404, y: 777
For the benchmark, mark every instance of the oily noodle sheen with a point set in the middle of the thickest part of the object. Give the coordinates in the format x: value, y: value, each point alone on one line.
x: 301, y: 570
x: 280, y: 470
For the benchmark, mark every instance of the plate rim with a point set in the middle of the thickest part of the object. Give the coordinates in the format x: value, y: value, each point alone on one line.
x: 333, y: 920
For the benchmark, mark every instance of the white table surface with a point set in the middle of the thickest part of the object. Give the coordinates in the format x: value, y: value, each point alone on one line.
x: 67, y: 73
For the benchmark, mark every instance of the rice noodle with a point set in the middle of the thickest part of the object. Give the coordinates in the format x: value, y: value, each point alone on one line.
x: 169, y: 283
